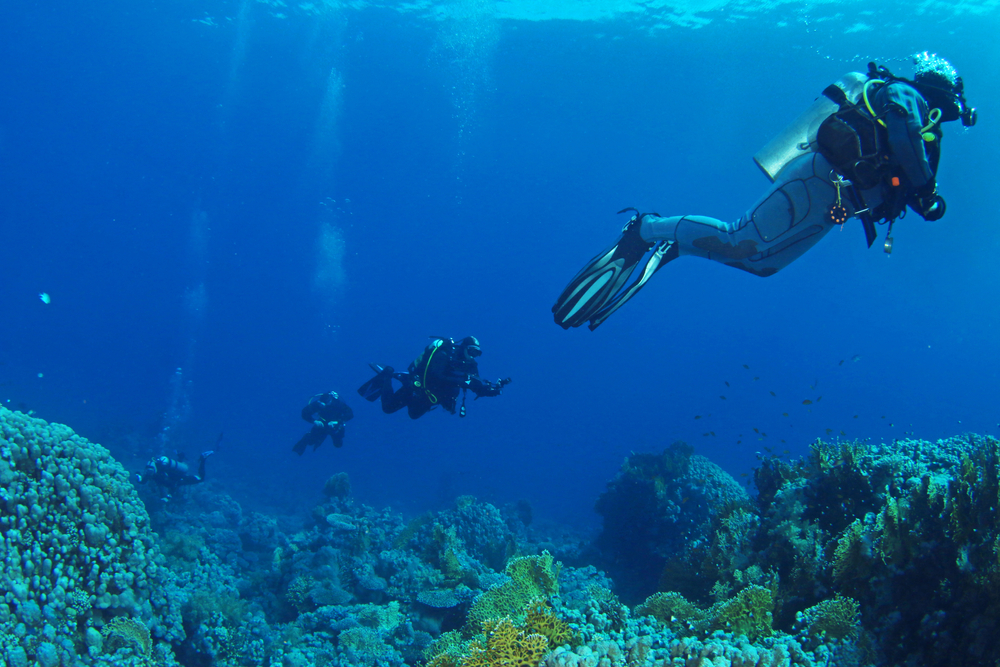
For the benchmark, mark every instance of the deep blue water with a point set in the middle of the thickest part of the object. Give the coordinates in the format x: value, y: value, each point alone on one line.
x: 212, y: 198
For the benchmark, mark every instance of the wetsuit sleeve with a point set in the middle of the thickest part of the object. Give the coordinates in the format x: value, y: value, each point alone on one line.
x: 483, y: 388
x: 905, y: 111
x: 309, y: 411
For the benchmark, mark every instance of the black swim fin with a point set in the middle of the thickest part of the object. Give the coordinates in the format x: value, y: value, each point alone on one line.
x: 372, y: 390
x: 598, y: 290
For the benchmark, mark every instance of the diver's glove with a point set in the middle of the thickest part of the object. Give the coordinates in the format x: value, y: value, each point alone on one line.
x: 928, y: 203
x: 503, y: 383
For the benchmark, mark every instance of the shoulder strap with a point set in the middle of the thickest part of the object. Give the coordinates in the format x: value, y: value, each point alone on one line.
x: 834, y: 93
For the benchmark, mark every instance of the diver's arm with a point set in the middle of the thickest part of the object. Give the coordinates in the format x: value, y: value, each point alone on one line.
x: 484, y: 388
x: 310, y: 410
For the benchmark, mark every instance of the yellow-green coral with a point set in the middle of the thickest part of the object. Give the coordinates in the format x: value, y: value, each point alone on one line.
x: 852, y: 558
x: 125, y: 631
x: 506, y: 645
x: 890, y: 531
x: 671, y: 608
x: 541, y: 620
x: 530, y: 577
x: 836, y: 618
x: 448, y: 650
x: 749, y: 612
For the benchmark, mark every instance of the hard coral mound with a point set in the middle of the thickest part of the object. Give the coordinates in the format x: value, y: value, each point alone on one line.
x: 655, y: 508
x: 80, y: 561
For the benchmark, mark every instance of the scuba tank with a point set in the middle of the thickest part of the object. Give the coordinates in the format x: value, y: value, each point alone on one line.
x: 799, y: 137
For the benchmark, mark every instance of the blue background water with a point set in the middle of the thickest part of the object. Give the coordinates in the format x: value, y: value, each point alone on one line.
x: 269, y: 198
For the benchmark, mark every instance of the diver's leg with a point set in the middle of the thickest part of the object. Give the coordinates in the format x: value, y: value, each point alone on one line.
x: 418, y: 407
x: 393, y: 401
x: 788, y: 220
x: 314, y: 437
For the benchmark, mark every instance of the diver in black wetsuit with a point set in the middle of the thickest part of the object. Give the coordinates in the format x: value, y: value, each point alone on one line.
x: 443, y: 371
x: 171, y: 474
x: 327, y: 413
x: 867, y: 148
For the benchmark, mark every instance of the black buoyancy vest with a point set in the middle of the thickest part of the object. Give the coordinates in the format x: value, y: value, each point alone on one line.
x: 854, y: 142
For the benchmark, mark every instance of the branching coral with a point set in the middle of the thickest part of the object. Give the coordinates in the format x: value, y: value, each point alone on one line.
x: 506, y: 645
x: 749, y: 613
x: 530, y: 577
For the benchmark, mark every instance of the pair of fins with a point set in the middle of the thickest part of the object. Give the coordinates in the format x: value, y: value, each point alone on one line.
x: 371, y: 391
x: 598, y: 290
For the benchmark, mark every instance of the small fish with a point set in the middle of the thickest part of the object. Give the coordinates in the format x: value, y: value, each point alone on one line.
x: 684, y: 500
x: 746, y: 367
x: 784, y: 414
x: 807, y: 402
x: 763, y: 434
x: 46, y: 299
x: 722, y: 397
x: 739, y: 442
x: 842, y: 433
x: 767, y: 449
x: 785, y: 451
x: 785, y: 443
x: 819, y: 398
x: 883, y: 416
x: 890, y: 423
x: 756, y: 378
x: 727, y: 382
x: 772, y: 393
x: 712, y: 433
x: 743, y: 474
x: 697, y: 416
x: 856, y: 358
x: 829, y: 431
x: 704, y: 435
x: 841, y: 363
x: 855, y: 416
x: 756, y: 431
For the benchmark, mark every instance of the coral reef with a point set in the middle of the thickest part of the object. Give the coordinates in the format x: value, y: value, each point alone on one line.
x: 857, y: 554
x: 656, y: 507
x: 81, y: 565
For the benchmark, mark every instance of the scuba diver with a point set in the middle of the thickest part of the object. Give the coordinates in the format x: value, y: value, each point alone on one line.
x: 442, y: 371
x: 172, y: 473
x: 327, y: 413
x: 868, y: 147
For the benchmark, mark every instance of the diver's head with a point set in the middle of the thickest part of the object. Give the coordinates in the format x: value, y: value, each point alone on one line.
x: 469, y: 347
x: 939, y: 83
x: 163, y: 461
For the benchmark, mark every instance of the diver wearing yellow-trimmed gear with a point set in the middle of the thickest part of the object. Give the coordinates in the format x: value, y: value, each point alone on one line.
x: 867, y: 148
x: 442, y: 371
